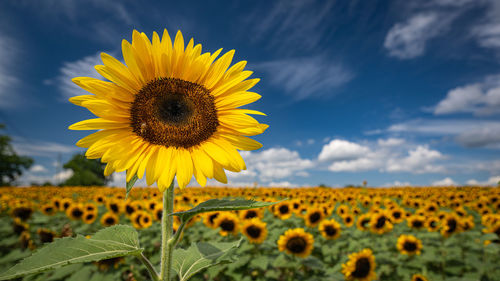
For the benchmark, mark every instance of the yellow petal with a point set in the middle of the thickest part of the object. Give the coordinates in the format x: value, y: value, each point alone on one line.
x: 92, y: 138
x: 219, y: 173
x: 184, y: 167
x: 236, y: 99
x: 218, y: 69
x: 241, y: 142
x: 97, y: 124
x: 203, y: 162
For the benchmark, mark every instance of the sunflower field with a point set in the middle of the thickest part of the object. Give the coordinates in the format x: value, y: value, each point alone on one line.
x: 311, y: 234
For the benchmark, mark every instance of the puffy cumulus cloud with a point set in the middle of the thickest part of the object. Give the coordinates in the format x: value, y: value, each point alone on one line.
x: 276, y: 163
x: 81, y: 67
x: 492, y: 181
x: 379, y: 156
x: 408, y: 40
x: 481, y: 98
x: 38, y: 169
x: 444, y: 182
x: 308, y: 77
x: 419, y: 160
x: 342, y: 150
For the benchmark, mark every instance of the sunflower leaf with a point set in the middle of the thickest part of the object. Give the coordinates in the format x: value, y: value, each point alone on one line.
x: 111, y: 242
x: 222, y: 205
x: 187, y: 262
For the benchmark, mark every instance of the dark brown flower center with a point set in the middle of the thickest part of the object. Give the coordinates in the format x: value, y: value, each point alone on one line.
x: 254, y: 231
x: 314, y: 217
x: 284, y: 209
x: 227, y: 225
x: 76, y: 213
x: 296, y: 245
x: 109, y: 221
x: 410, y: 246
x: 174, y: 112
x: 362, y: 268
x: 250, y: 214
x: 380, y: 222
x: 330, y: 230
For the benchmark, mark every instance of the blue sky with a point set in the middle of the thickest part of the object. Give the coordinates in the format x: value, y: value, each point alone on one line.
x: 392, y: 92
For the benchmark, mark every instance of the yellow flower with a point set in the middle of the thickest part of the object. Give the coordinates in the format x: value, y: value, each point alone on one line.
x: 409, y: 245
x: 109, y: 219
x: 171, y: 111
x: 228, y: 223
x: 360, y: 266
x: 296, y: 242
x: 418, y: 277
x: 330, y: 229
x: 255, y: 230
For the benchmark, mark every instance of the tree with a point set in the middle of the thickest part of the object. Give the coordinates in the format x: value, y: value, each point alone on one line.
x: 86, y: 172
x: 11, y: 164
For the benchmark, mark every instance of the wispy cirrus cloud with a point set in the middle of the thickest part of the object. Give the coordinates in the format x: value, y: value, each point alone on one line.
x: 9, y: 50
x: 69, y: 70
x: 297, y: 23
x: 31, y: 147
x: 306, y: 77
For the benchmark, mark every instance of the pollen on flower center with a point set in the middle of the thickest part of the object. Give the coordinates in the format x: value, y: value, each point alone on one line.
x: 174, y: 112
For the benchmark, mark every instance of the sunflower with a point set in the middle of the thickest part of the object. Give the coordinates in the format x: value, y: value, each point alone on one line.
x: 360, y: 266
x: 228, y: 223
x: 26, y: 241
x: 342, y: 209
x: 409, y: 245
x: 416, y: 222
x: 89, y: 217
x: 397, y: 215
x: 450, y: 225
x: 109, y: 219
x: 46, y: 235
x: 380, y: 223
x: 19, y: 226
x: 418, y: 277
x: 170, y: 112
x: 296, y: 242
x: 255, y: 230
x: 250, y: 214
x: 282, y: 210
x: 75, y: 212
x: 22, y: 212
x: 104, y: 265
x: 99, y: 198
x: 158, y: 212
x: 141, y: 219
x: 348, y: 219
x: 209, y: 219
x: 114, y: 205
x: 432, y: 224
x: 48, y: 209
x: 313, y: 216
x: 66, y: 203
x: 363, y: 222
x: 330, y: 229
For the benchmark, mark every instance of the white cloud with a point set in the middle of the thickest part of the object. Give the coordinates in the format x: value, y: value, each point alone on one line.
x: 391, y: 142
x: 342, y: 150
x: 69, y: 70
x: 478, y: 98
x: 487, y: 30
x: 281, y: 184
x: 408, y: 40
x: 297, y: 23
x: 8, y: 81
x: 419, y: 160
x: 492, y: 181
x: 355, y: 157
x: 307, y: 77
x: 62, y: 176
x: 444, y: 182
x: 38, y: 169
x: 467, y: 132
x: 30, y: 147
x: 396, y: 183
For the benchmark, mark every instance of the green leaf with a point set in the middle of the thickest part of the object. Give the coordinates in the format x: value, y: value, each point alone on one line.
x: 202, y: 255
x: 130, y: 184
x: 222, y: 205
x: 111, y: 242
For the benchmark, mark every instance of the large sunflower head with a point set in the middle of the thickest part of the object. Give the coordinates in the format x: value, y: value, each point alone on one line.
x: 380, y: 223
x: 296, y: 242
x: 169, y: 111
x: 409, y: 245
x: 255, y: 230
x: 313, y: 216
x: 360, y: 266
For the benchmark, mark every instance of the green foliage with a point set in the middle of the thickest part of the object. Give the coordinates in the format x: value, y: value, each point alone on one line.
x: 11, y: 164
x: 202, y: 255
x: 222, y: 205
x: 86, y: 172
x: 111, y: 242
x: 130, y: 184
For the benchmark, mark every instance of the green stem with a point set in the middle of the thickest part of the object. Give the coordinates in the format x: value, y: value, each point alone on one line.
x: 149, y: 266
x: 167, y: 225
